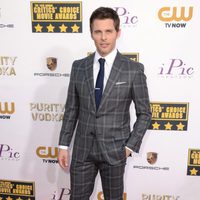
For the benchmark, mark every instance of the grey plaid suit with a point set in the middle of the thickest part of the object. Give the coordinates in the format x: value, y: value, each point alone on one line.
x: 109, y: 126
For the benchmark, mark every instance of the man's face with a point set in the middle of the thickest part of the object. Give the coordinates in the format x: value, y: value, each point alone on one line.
x: 104, y: 35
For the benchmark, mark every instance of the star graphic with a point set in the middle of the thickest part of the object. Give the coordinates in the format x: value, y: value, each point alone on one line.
x: 156, y: 126
x: 38, y: 28
x: 50, y: 28
x: 0, y: 198
x: 19, y: 198
x: 75, y: 28
x: 63, y: 28
x: 168, y: 126
x: 180, y: 126
x: 193, y: 171
x: 8, y: 198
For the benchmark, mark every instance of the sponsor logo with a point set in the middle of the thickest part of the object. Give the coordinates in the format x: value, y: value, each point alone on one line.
x: 174, y: 15
x: 47, y: 154
x: 101, y: 197
x: 56, y: 17
x: 7, y: 64
x: 127, y: 19
x: 151, y: 158
x: 51, y: 63
x: 169, y: 116
x: 6, y: 25
x: 17, y: 190
x: 132, y: 56
x: 159, y: 197
x: 8, y: 153
x: 47, y: 111
x: 175, y: 68
x: 151, y: 168
x: 61, y: 194
x: 193, y: 168
x: 2, y: 25
x: 6, y: 110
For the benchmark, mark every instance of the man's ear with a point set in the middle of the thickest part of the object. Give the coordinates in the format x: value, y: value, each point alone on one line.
x: 118, y: 33
x: 91, y: 35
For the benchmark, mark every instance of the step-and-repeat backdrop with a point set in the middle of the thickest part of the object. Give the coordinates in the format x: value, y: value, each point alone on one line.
x: 39, y: 40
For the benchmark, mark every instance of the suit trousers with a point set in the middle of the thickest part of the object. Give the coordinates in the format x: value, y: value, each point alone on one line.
x: 83, y: 174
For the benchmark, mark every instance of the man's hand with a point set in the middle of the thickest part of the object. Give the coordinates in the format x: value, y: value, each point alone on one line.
x: 63, y: 158
x: 128, y: 152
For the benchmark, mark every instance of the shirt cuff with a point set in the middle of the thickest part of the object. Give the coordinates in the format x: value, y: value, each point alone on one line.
x: 129, y: 149
x: 63, y: 147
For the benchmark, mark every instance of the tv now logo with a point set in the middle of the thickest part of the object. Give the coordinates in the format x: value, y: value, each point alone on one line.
x: 168, y: 14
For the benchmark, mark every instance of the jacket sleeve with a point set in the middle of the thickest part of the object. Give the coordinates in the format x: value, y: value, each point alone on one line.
x: 71, y: 111
x: 140, y: 98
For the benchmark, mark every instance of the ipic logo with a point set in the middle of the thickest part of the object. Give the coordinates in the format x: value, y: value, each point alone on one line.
x: 174, y: 15
x: 48, y: 154
x: 176, y: 68
x: 6, y: 109
x: 126, y: 17
x: 7, y: 153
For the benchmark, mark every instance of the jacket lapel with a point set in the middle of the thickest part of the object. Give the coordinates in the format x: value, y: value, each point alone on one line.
x: 89, y: 77
x: 114, y: 74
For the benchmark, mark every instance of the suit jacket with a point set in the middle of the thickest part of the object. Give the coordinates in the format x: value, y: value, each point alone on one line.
x: 110, y: 124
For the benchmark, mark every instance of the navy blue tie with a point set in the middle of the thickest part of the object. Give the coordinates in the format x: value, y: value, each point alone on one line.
x: 99, y: 83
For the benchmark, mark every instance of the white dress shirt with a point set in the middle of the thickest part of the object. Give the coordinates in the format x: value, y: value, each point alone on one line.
x: 109, y: 59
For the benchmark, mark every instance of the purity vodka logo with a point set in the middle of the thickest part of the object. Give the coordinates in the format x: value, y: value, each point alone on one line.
x: 7, y: 65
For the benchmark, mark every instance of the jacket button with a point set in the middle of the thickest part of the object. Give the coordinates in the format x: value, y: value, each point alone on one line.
x: 91, y: 133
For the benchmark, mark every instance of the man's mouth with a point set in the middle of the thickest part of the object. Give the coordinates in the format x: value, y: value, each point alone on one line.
x: 104, y: 45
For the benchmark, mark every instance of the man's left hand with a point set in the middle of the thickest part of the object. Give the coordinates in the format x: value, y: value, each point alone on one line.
x: 128, y: 152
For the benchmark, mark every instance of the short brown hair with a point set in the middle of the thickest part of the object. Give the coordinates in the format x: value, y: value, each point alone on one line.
x: 105, y: 13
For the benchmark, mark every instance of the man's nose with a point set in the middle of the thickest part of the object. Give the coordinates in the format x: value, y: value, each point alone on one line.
x: 103, y: 36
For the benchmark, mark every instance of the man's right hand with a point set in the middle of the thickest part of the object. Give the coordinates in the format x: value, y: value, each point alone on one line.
x: 63, y: 158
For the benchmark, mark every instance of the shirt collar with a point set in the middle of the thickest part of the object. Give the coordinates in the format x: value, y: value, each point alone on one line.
x: 109, y: 58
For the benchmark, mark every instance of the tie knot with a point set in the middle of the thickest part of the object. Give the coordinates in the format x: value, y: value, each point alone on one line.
x: 102, y: 61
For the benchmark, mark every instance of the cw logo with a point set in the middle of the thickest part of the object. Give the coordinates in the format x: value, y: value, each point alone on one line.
x: 168, y: 14
x: 47, y: 152
x: 6, y: 109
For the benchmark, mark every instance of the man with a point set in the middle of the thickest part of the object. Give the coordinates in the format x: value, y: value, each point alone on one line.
x: 99, y: 96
